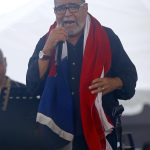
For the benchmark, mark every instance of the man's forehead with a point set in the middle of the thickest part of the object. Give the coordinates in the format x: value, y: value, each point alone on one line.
x: 60, y: 2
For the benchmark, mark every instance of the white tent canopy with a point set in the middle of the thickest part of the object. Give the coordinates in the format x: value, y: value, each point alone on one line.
x: 23, y: 24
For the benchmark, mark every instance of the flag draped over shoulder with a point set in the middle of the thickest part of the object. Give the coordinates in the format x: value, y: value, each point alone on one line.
x: 56, y: 106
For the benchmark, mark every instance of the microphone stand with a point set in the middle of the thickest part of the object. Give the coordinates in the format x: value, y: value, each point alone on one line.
x: 117, y: 112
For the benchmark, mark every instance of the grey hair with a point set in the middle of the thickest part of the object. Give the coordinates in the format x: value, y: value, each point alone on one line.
x: 1, y: 56
x: 83, y: 1
x: 1, y: 53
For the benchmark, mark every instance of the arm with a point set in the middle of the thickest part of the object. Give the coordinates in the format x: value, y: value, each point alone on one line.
x: 122, y: 67
x: 121, y: 78
x: 37, y: 68
x: 35, y: 82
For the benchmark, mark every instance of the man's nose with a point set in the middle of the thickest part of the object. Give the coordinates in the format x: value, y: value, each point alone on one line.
x: 68, y: 13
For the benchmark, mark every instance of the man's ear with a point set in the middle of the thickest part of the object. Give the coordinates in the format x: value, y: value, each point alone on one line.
x: 86, y: 6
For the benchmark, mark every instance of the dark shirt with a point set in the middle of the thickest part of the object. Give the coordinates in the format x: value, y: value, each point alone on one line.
x: 75, y: 55
x: 17, y: 121
x: 12, y: 90
x: 121, y: 66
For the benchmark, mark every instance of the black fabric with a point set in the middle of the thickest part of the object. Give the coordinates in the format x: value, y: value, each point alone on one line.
x: 48, y: 140
x: 79, y: 143
x: 75, y: 54
x: 18, y: 123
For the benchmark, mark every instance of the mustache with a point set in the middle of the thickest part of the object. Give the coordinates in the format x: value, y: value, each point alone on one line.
x: 67, y: 22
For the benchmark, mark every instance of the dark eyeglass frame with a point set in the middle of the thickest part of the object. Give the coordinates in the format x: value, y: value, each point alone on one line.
x: 72, y: 7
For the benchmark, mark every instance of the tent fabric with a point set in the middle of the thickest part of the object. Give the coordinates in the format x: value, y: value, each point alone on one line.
x: 21, y: 28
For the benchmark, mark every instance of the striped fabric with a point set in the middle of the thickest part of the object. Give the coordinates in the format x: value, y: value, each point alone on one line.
x: 56, y: 106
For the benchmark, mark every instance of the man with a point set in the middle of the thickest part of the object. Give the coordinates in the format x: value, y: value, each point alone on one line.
x: 76, y: 63
x: 8, y: 87
x: 17, y: 112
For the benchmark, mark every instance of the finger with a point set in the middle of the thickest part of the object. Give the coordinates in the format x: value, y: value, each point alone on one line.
x: 57, y: 33
x: 61, y: 31
x: 95, y: 80
x: 102, y: 88
x: 98, y: 90
x: 59, y: 28
x: 94, y: 91
x: 61, y: 37
x: 93, y: 86
x: 96, y: 85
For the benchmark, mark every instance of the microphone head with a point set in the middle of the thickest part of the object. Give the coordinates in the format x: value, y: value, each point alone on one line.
x: 118, y: 110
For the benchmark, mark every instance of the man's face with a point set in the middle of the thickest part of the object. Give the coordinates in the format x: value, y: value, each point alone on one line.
x: 73, y: 22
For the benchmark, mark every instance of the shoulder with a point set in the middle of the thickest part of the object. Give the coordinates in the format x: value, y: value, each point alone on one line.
x: 114, y: 40
x: 41, y: 42
x: 18, y: 89
x: 17, y: 84
x: 43, y: 39
x: 110, y: 33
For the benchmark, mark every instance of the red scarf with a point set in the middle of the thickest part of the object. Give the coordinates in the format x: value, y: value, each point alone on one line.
x: 97, y: 56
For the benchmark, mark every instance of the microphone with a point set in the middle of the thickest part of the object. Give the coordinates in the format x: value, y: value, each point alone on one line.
x: 59, y: 47
x: 117, y: 111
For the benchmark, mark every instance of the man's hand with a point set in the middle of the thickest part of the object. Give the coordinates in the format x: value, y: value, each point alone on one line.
x: 105, y: 85
x: 56, y: 35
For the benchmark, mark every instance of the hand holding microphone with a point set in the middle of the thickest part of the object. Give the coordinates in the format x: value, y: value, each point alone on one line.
x: 56, y: 35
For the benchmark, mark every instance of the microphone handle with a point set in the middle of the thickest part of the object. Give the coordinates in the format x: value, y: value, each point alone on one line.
x: 59, y: 47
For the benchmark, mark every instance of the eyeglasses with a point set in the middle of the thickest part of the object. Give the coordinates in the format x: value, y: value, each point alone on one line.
x: 72, y: 7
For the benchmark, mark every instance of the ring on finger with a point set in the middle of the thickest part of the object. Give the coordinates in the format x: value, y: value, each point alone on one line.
x: 102, y: 88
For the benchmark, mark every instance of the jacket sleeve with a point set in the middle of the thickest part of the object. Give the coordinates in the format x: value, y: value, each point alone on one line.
x: 122, y: 67
x: 34, y: 83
